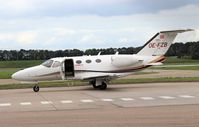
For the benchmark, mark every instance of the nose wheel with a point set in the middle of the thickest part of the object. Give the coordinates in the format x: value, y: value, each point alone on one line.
x: 36, y: 88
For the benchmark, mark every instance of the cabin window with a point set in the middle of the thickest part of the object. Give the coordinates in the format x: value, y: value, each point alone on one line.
x: 56, y: 64
x: 48, y: 63
x: 88, y: 61
x: 98, y: 61
x: 78, y: 61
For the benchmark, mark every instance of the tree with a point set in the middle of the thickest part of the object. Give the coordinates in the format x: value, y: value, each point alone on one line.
x: 195, y: 51
x: 189, y: 49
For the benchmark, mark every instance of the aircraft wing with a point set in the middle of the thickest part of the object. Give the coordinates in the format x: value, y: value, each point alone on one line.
x: 106, y: 77
x: 96, y: 77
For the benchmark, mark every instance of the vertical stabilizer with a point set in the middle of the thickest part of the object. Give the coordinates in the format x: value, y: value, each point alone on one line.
x: 160, y: 43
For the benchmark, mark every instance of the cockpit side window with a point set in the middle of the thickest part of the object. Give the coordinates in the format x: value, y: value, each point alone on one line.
x: 48, y: 63
x: 56, y: 64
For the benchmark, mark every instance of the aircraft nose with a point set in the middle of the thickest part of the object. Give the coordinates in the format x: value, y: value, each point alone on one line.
x: 15, y: 76
x: 19, y: 75
x: 25, y: 74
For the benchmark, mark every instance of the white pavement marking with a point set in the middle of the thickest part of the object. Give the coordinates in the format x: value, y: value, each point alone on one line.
x: 46, y: 102
x: 5, y: 104
x: 186, y: 96
x: 25, y: 103
x: 87, y: 101
x: 127, y: 99
x: 66, y: 101
x: 147, y: 98
x: 166, y: 97
x: 108, y: 100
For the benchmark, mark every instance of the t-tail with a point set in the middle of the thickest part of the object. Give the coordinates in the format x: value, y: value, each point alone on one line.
x: 160, y: 43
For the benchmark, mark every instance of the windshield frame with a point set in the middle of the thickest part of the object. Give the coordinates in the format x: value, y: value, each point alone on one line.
x: 48, y: 63
x: 56, y: 64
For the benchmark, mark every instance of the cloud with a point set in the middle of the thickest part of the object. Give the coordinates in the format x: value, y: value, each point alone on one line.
x: 91, y: 39
x: 94, y: 31
x: 12, y: 9
x: 196, y: 36
x: 16, y: 7
x: 64, y: 31
x: 27, y: 37
x: 40, y: 8
x: 123, y: 40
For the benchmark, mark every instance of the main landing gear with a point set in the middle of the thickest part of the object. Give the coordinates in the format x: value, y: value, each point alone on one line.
x: 97, y: 84
x: 36, y: 88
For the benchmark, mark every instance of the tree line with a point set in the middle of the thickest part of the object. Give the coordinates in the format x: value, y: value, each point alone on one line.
x: 181, y: 50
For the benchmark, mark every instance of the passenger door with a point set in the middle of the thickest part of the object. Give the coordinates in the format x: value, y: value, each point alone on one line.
x: 69, y: 68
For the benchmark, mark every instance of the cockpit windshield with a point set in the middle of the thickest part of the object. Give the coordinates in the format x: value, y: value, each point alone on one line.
x: 47, y: 63
x: 56, y: 64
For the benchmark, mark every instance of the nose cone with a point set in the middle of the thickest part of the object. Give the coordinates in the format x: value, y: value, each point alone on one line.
x: 21, y: 75
x: 13, y: 76
x: 27, y: 74
x: 16, y: 76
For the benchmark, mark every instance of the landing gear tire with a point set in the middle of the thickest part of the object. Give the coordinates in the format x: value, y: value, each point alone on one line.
x: 95, y: 87
x: 36, y: 88
x: 103, y: 86
x: 94, y: 84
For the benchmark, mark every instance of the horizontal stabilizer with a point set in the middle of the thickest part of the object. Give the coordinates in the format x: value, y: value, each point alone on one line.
x: 177, y: 31
x: 155, y: 64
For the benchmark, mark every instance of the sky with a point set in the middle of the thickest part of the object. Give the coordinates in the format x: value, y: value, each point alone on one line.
x: 83, y: 24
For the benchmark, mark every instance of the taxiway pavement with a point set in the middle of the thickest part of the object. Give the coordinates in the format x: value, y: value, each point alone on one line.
x: 154, y: 104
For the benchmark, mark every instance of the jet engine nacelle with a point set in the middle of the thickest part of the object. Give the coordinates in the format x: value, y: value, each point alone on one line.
x: 124, y: 61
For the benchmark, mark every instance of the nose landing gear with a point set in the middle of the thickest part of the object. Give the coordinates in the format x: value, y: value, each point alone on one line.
x: 36, y: 88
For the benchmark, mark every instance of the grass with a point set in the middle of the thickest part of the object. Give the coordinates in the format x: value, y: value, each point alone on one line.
x: 5, y: 73
x: 175, y: 60
x: 156, y: 80
x: 19, y: 64
x: 7, y: 68
x: 179, y: 61
x: 30, y: 63
x: 144, y: 73
x: 178, y: 68
x: 118, y: 81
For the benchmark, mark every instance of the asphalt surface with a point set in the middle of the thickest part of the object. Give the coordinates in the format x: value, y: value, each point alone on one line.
x: 140, y: 105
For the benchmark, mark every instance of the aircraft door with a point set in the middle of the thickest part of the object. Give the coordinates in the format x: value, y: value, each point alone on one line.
x: 62, y: 71
x: 69, y: 68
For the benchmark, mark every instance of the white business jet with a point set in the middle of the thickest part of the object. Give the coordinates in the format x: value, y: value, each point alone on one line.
x: 100, y: 69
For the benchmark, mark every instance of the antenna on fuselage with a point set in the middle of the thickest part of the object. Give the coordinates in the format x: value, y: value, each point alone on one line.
x: 99, y: 54
x: 116, y: 53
